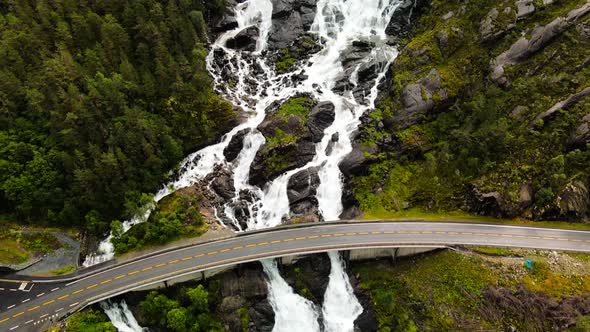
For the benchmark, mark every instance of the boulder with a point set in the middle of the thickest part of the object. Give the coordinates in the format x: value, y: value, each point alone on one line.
x: 303, y: 185
x: 491, y: 204
x: 223, y: 185
x: 247, y: 281
x: 574, y: 200
x: 309, y: 277
x: 580, y: 136
x: 356, y: 161
x: 321, y: 117
x: 525, y: 196
x: 418, y: 99
x: 245, y: 40
x: 233, y: 149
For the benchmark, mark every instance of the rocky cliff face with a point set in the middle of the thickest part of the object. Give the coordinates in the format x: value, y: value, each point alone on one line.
x: 486, y: 110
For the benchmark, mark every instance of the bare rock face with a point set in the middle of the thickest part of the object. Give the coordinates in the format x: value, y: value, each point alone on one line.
x: 301, y: 190
x: 525, y: 8
x: 418, y: 100
x: 581, y: 135
x: 524, y: 48
x: 290, y: 19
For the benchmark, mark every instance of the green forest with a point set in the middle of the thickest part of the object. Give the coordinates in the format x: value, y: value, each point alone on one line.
x: 99, y: 100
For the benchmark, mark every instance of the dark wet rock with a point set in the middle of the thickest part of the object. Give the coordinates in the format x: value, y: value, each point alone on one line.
x: 223, y: 185
x: 367, y: 320
x: 301, y: 190
x: 524, y: 48
x: 235, y: 145
x: 291, y: 19
x: 399, y: 26
x: 351, y: 213
x: 580, y: 136
x: 245, y: 40
x: 565, y: 104
x: 356, y: 161
x: 320, y: 118
x: 309, y: 276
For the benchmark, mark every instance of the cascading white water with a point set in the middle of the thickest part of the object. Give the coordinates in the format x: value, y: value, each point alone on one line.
x: 256, y: 87
x: 121, y: 317
x: 292, y: 313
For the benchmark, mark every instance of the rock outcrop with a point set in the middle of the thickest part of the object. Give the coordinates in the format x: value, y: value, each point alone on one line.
x: 525, y: 47
x: 561, y: 105
x: 290, y: 19
x: 580, y: 137
x: 235, y: 145
x: 245, y: 40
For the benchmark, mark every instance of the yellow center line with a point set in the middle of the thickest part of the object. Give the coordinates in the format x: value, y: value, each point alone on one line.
x: 467, y: 233
x: 326, y: 235
x: 574, y: 240
x: 376, y: 233
x: 238, y: 248
x: 251, y: 245
x: 547, y: 238
x: 145, y: 269
x: 351, y: 233
x: 121, y: 276
x: 507, y: 235
x: 275, y: 241
x: 224, y: 250
x: 288, y: 240
x: 389, y: 232
x: 299, y: 238
x: 363, y: 233
x: 106, y: 281
x: 160, y: 265
x: 312, y: 237
x: 586, y: 240
x: 338, y: 234
x: 426, y: 232
x: 92, y: 286
x: 561, y: 239
x: 263, y: 243
x: 5, y: 319
x: 187, y: 258
x: 198, y: 255
x: 78, y: 291
x: 63, y: 297
x: 129, y: 274
x: 16, y: 315
x: 49, y: 302
x: 212, y: 252
x: 34, y: 308
x: 173, y: 261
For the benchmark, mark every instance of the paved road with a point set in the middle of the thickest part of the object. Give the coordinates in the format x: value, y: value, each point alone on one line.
x: 60, y: 298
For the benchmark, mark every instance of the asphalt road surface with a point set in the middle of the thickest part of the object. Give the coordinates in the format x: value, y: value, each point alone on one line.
x: 47, y: 301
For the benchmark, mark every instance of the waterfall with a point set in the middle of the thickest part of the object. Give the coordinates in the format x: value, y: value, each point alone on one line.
x: 255, y: 87
x: 292, y: 312
x: 121, y: 317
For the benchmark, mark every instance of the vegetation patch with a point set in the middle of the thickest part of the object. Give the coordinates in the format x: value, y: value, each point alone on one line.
x: 176, y: 216
x: 64, y: 270
x: 90, y: 320
x: 451, y: 291
x: 17, y: 247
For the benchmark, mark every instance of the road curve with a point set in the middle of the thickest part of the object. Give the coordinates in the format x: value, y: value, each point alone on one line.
x: 58, y: 298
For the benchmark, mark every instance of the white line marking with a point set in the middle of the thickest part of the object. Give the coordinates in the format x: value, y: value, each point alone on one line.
x: 56, y: 288
x: 22, y: 286
x: 39, y: 295
x: 14, y: 327
x: 28, y: 322
x: 12, y: 306
x: 41, y: 317
x: 27, y: 300
x: 1, y: 289
x: 13, y: 289
x: 60, y: 309
x: 74, y: 304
